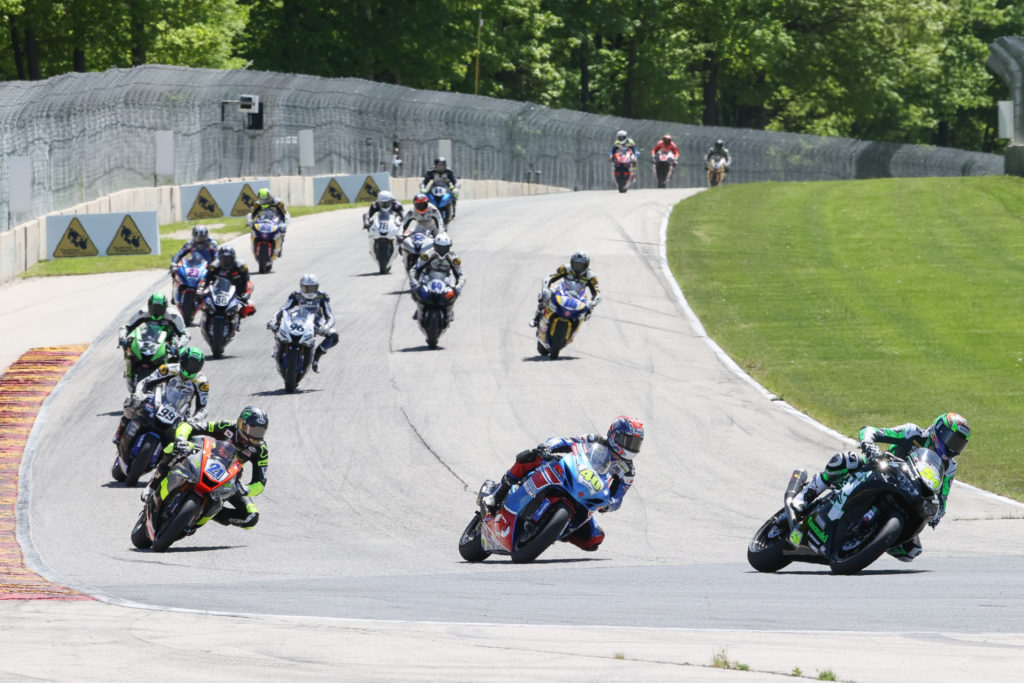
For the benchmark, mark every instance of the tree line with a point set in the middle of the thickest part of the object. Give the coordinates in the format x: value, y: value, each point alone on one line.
x: 885, y: 70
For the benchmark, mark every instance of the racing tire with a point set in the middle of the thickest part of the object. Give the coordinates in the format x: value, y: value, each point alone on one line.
x: 217, y: 335
x: 115, y: 471
x: 470, y: 547
x: 880, y: 538
x: 541, y: 349
x: 175, y: 527
x: 558, y: 335
x: 530, y: 549
x: 140, y: 539
x: 765, y: 552
x: 382, y: 249
x: 188, y: 306
x: 432, y: 326
x: 291, y: 369
x: 140, y: 463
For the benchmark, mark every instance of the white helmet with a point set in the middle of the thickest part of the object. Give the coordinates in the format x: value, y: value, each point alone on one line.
x: 442, y: 244
x: 310, y: 286
x: 621, y: 135
x: 385, y: 199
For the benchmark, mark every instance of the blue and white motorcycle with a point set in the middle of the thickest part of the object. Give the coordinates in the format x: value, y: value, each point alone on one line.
x: 565, y: 309
x: 441, y: 196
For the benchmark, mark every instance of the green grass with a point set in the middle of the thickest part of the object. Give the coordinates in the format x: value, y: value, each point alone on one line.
x: 226, y: 228
x: 870, y: 302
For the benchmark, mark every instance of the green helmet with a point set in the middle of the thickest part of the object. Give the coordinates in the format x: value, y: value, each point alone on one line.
x: 157, y: 305
x: 190, y: 362
x: 264, y: 194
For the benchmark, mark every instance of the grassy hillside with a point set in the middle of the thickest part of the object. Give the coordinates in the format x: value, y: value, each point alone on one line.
x: 871, y: 302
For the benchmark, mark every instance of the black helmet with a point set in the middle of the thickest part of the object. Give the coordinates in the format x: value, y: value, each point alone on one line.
x: 226, y: 256
x: 719, y: 143
x: 157, y: 305
x: 625, y: 436
x: 440, y: 161
x: 190, y: 362
x: 200, y: 234
x: 579, y: 262
x: 251, y: 427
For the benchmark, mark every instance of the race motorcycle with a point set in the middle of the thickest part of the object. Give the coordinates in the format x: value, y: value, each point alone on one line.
x: 384, y: 240
x: 154, y: 418
x: 877, y: 508
x: 222, y: 312
x: 664, y: 163
x: 265, y: 232
x: 296, y: 338
x: 716, y: 170
x: 442, y: 197
x: 413, y: 247
x: 565, y: 308
x: 623, y: 168
x: 551, y: 503
x: 194, y: 490
x: 188, y: 275
x: 147, y: 349
x: 434, y: 297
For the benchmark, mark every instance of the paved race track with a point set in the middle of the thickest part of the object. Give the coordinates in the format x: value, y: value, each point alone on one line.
x: 375, y: 462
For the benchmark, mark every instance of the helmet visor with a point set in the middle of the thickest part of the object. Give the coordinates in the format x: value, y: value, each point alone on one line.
x: 952, y: 442
x: 627, y: 445
x: 254, y: 433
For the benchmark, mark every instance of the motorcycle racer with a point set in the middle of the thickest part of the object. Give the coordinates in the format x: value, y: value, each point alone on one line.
x: 156, y: 312
x: 385, y: 201
x: 185, y: 375
x: 577, y: 271
x: 427, y: 217
x: 720, y: 149
x: 246, y: 434
x: 309, y: 292
x: 264, y: 200
x: 947, y: 435
x: 445, y: 264
x: 623, y: 441
x: 666, y: 145
x: 201, y: 242
x: 440, y: 174
x: 228, y: 266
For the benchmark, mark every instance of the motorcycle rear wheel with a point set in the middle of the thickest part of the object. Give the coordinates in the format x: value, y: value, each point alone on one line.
x: 878, y: 539
x: 175, y: 527
x: 765, y: 550
x: 531, y: 548
x: 470, y: 547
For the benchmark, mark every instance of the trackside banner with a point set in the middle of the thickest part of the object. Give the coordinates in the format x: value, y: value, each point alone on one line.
x: 102, y: 234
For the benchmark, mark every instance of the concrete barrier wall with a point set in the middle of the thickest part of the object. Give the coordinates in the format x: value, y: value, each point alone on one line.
x: 25, y: 245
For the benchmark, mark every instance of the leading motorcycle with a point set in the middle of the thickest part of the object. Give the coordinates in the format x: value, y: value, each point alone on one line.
x: 565, y: 309
x: 551, y: 503
x: 623, y: 162
x: 877, y: 508
x: 664, y: 163
x: 265, y: 232
x: 194, y: 490
x: 154, y: 418
x: 188, y: 275
x: 384, y: 239
x: 296, y: 338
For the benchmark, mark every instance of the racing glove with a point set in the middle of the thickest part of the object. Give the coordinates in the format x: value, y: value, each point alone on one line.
x: 542, y: 451
x: 870, y: 450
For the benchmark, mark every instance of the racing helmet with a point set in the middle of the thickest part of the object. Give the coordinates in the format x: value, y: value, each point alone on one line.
x: 385, y: 199
x: 226, y: 256
x: 579, y: 262
x: 263, y: 194
x: 309, y: 286
x: 621, y: 136
x: 719, y: 143
x: 157, y: 305
x: 950, y: 434
x: 440, y: 164
x: 251, y: 427
x: 420, y: 202
x: 625, y: 436
x: 200, y: 234
x: 667, y: 139
x: 442, y: 244
x: 190, y: 362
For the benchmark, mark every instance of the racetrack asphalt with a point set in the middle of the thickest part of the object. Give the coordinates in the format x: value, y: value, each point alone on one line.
x: 353, y: 570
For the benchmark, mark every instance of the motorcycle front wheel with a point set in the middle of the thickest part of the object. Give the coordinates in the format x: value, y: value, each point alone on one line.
x: 140, y: 539
x: 176, y: 526
x: 856, y: 543
x: 470, y: 546
x: 383, y: 250
x: 292, y: 360
x: 558, y: 336
x: 765, y: 550
x: 218, y: 333
x: 188, y: 306
x: 140, y: 463
x: 528, y: 549
x: 432, y: 326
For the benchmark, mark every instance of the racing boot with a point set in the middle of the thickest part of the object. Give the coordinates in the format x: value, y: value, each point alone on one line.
x: 808, y: 494
x: 493, y: 501
x: 316, y: 358
x: 536, y: 317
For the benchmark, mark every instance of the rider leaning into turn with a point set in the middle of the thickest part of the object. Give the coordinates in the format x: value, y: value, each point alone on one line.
x: 425, y: 215
x: 246, y: 434
x: 185, y: 375
x: 309, y: 292
x: 623, y: 441
x: 156, y: 312
x: 947, y: 436
x: 577, y: 270
x: 201, y: 242
x: 443, y: 262
x: 264, y: 200
x: 441, y: 175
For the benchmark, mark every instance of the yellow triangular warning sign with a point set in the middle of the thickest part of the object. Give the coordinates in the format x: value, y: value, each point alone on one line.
x: 333, y: 194
x: 243, y: 205
x: 75, y: 242
x: 368, y: 192
x: 128, y: 240
x: 204, y: 206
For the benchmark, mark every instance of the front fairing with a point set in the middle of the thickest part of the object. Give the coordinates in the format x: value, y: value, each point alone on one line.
x: 149, y: 342
x: 436, y: 292
x: 298, y: 325
x: 191, y: 270
x: 440, y: 196
x: 222, y: 296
